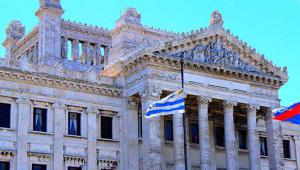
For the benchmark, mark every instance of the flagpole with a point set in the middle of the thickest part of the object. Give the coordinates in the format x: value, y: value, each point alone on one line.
x: 183, y: 116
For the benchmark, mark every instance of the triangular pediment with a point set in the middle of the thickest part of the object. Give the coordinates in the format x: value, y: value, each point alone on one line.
x: 217, y: 54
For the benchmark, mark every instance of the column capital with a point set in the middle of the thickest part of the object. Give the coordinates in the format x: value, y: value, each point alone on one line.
x: 58, y: 105
x: 252, y: 107
x: 23, y: 101
x: 132, y: 101
x: 229, y: 104
x: 203, y: 100
x: 92, y: 110
x: 150, y: 92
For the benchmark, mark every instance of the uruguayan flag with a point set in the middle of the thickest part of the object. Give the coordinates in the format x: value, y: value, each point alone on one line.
x: 172, y: 104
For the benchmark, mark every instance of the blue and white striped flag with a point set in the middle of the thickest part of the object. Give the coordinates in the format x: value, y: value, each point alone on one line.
x: 172, y: 104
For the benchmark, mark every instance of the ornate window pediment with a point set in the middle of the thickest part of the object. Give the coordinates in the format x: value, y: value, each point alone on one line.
x: 217, y: 54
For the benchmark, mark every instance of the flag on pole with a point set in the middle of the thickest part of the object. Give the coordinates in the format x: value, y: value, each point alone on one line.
x: 290, y: 114
x: 172, y: 104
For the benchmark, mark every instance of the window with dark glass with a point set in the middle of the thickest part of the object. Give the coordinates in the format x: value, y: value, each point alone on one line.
x: 39, y: 167
x: 74, y: 168
x: 263, y: 146
x: 194, y: 133
x: 219, y: 136
x: 106, y: 127
x: 4, y: 165
x: 286, y: 149
x: 74, y: 124
x: 40, y: 119
x: 140, y: 121
x: 168, y: 130
x: 242, y: 135
x: 4, y: 115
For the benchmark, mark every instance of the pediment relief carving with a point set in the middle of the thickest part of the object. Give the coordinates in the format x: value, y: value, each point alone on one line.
x: 217, y: 54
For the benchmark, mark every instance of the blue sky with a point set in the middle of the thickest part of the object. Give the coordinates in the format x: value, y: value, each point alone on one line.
x: 270, y: 26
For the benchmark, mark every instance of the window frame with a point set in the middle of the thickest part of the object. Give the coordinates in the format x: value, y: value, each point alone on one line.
x: 168, y: 118
x: 6, y: 162
x: 37, y: 164
x: 140, y: 122
x: 215, y: 136
x: 238, y: 138
x: 289, y: 149
x: 46, y: 117
x: 79, y: 130
x: 112, y: 126
x: 190, y: 131
x: 9, y: 119
x: 266, y: 146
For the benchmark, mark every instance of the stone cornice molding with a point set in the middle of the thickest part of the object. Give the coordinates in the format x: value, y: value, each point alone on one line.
x: 107, y: 163
x: 174, y: 64
x: 202, y: 100
x: 40, y: 155
x: 9, y: 74
x: 59, y: 105
x: 92, y: 110
x: 7, y: 153
x: 75, y: 159
x: 25, y: 101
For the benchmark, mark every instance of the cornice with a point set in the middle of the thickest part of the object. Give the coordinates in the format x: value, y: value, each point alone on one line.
x: 174, y: 64
x: 39, y: 79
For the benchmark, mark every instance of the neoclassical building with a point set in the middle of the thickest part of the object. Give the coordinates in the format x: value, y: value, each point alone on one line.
x: 72, y: 97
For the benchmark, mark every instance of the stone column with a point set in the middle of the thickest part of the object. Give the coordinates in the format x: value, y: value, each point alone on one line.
x: 98, y: 59
x: 106, y: 55
x: 59, y: 130
x: 92, y: 137
x: 188, y: 144
x: 274, y: 142
x: 152, y: 132
x: 253, y: 139
x: 24, y: 108
x: 297, y: 149
x: 178, y: 141
x: 64, y: 48
x: 75, y: 50
x: 132, y: 134
x: 204, y: 137
x: 230, y: 140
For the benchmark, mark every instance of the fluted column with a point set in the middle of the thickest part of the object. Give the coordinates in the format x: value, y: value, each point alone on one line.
x: 152, y: 134
x: 274, y: 142
x: 92, y: 137
x: 253, y: 139
x: 59, y: 130
x: 75, y: 50
x: 24, y: 108
x: 204, y: 137
x: 230, y: 139
x: 178, y: 141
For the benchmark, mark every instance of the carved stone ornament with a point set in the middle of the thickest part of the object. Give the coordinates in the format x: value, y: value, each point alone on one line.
x: 15, y: 30
x: 107, y: 164
x: 215, y: 53
x: 76, y: 160
x: 229, y: 104
x: 40, y: 156
x: 58, y: 105
x: 23, y: 101
x: 252, y: 108
x: 131, y: 16
x: 203, y: 100
x: 92, y: 110
x: 216, y: 18
x: 150, y: 92
x: 7, y: 153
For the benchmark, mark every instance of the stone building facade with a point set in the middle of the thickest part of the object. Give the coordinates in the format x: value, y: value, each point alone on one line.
x: 72, y: 96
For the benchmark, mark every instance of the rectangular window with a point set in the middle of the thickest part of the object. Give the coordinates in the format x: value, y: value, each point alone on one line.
x: 219, y: 136
x: 168, y: 130
x: 106, y: 127
x: 74, y: 168
x: 39, y: 167
x: 194, y: 133
x: 140, y: 121
x: 40, y: 119
x: 4, y: 115
x: 242, y: 135
x: 286, y: 149
x: 4, y: 165
x: 74, y: 124
x: 263, y: 146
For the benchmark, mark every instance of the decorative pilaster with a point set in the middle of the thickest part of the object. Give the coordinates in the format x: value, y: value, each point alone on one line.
x: 106, y: 55
x: 59, y: 130
x: 253, y: 139
x: 24, y: 108
x: 92, y: 137
x: 64, y: 48
x: 274, y: 138
x: 97, y: 59
x: 297, y: 148
x: 230, y: 140
x: 132, y: 132
x: 152, y: 131
x: 75, y: 50
x: 204, y: 137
